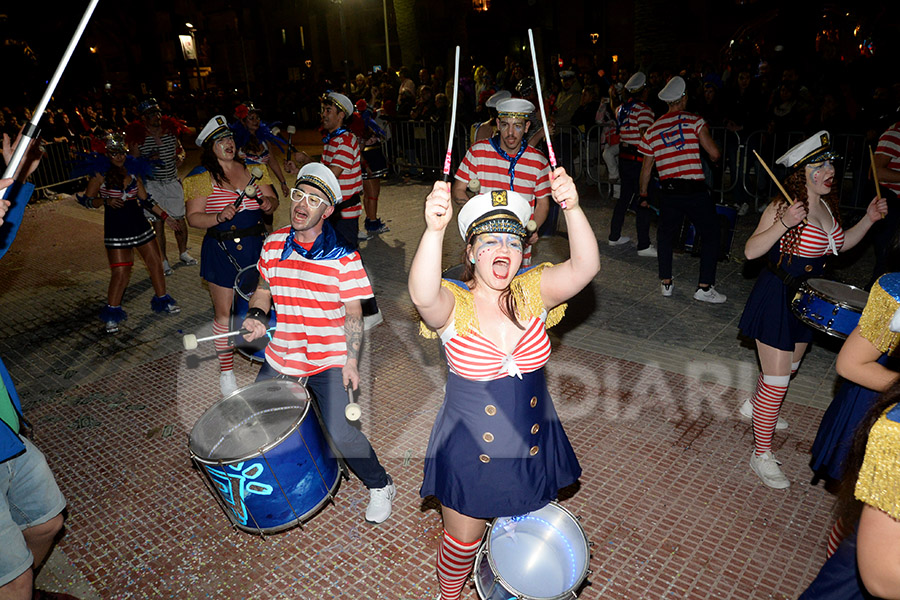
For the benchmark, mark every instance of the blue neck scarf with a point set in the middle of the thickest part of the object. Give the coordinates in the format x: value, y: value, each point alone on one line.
x: 328, y: 246
x: 334, y: 134
x: 512, y: 159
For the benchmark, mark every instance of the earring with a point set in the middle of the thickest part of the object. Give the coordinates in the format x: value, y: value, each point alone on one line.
x: 472, y: 259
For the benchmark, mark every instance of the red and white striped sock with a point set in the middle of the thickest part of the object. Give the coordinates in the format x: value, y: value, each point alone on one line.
x: 794, y: 367
x: 837, y: 535
x: 770, y: 393
x: 454, y: 562
x: 224, y: 349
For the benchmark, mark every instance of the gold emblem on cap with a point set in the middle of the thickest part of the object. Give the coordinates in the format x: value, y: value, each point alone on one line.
x: 498, y: 198
x: 824, y: 139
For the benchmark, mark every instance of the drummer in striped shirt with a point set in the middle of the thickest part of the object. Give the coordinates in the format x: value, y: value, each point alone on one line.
x: 887, y: 165
x: 507, y: 162
x: 316, y: 282
x: 672, y: 144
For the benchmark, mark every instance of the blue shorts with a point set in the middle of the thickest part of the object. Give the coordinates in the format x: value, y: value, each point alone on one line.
x: 29, y: 496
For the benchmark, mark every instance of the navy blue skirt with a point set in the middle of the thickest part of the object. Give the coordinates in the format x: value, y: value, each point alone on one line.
x: 839, y: 579
x: 214, y: 264
x: 767, y: 316
x: 497, y: 448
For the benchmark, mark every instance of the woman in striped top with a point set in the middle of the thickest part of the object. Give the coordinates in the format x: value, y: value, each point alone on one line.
x: 234, y: 234
x: 796, y: 239
x: 125, y: 228
x: 497, y: 447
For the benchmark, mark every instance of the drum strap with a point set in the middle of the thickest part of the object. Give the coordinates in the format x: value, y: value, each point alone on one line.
x: 793, y: 283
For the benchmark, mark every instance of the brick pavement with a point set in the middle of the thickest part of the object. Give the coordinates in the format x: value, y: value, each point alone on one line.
x: 647, y: 389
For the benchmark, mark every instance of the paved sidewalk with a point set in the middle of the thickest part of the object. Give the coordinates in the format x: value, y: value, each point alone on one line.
x: 647, y: 388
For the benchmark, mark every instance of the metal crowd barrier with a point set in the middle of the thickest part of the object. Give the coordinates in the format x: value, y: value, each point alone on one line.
x: 419, y: 147
x: 55, y: 167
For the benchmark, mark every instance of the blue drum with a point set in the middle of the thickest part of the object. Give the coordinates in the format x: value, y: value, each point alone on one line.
x: 244, y: 286
x: 264, y: 456
x: 831, y: 307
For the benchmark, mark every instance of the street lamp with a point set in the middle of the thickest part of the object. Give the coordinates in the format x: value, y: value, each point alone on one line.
x: 192, y: 29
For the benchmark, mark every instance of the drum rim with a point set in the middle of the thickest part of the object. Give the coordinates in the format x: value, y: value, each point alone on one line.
x: 485, y: 551
x: 283, y: 436
x: 237, y: 278
x: 806, y: 285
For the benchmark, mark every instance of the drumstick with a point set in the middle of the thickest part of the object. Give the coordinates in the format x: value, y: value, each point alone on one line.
x: 775, y: 179
x: 537, y: 83
x: 255, y: 175
x: 875, y: 176
x: 352, y: 411
x: 190, y: 340
x: 447, y: 159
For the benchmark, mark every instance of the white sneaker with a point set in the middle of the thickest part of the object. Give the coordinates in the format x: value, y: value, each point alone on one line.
x: 746, y: 410
x: 380, y: 499
x: 649, y: 251
x: 768, y: 469
x: 227, y: 383
x: 666, y: 288
x: 623, y: 239
x: 167, y: 270
x: 372, y: 321
x: 709, y: 295
x: 187, y: 259
x: 743, y: 209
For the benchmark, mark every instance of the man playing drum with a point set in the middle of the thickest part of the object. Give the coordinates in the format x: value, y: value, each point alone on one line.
x: 316, y: 283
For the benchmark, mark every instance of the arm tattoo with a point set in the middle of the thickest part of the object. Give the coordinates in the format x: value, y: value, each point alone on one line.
x: 353, y: 330
x: 263, y: 285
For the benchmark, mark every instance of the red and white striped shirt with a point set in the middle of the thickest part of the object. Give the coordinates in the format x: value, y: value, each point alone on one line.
x: 222, y: 197
x: 343, y: 151
x: 673, y: 142
x: 889, y: 145
x: 531, y: 175
x: 814, y: 241
x: 639, y: 117
x: 477, y: 358
x: 309, y: 296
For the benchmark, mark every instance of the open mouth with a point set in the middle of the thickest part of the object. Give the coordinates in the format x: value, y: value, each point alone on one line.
x: 829, y: 182
x: 500, y: 268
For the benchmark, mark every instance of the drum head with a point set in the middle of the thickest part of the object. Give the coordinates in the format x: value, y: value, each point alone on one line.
x: 246, y: 281
x: 840, y: 293
x: 249, y: 421
x: 543, y: 554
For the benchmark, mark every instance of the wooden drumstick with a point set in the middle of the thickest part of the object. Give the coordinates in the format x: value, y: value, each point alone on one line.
x: 775, y: 179
x: 875, y: 176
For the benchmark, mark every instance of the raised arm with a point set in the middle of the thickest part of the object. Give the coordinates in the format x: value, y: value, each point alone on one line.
x: 771, y: 227
x: 874, y: 212
x: 562, y: 281
x: 434, y: 303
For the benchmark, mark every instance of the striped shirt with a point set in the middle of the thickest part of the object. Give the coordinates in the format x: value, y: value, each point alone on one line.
x: 477, y: 358
x: 814, y: 241
x: 222, y: 197
x: 531, y: 175
x: 889, y: 145
x: 673, y: 142
x: 630, y: 124
x: 309, y: 297
x: 343, y: 151
x: 163, y: 151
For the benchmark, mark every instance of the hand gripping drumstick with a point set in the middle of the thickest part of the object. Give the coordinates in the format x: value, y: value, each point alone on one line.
x: 190, y: 340
x: 352, y: 411
x: 249, y: 191
x: 537, y: 83
x: 875, y: 177
x: 775, y: 179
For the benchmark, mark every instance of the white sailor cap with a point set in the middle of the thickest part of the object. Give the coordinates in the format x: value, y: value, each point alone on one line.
x: 566, y: 74
x: 341, y: 101
x: 673, y: 91
x: 494, y: 100
x: 636, y: 82
x: 216, y: 128
x: 516, y: 108
x: 322, y: 178
x: 811, y: 150
x: 497, y: 211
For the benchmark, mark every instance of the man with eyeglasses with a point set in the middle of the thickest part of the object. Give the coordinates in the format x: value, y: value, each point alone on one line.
x: 316, y: 282
x: 507, y: 162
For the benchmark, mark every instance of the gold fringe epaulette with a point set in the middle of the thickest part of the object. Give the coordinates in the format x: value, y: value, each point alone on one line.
x: 879, y: 478
x: 200, y: 185
x: 876, y: 319
x: 526, y: 289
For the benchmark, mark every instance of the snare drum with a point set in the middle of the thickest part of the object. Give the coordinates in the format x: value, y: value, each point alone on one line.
x: 542, y: 555
x: 829, y: 306
x: 265, y: 457
x: 244, y: 286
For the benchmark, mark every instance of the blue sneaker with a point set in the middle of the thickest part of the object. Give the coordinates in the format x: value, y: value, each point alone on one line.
x: 112, y: 316
x: 164, y: 304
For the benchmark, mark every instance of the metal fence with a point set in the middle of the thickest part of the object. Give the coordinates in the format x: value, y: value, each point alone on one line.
x: 55, y: 167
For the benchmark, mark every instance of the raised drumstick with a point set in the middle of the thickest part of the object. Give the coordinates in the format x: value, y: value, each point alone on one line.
x: 875, y: 176
x: 775, y: 179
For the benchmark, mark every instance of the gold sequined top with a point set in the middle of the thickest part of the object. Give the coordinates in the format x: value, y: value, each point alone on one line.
x: 201, y: 184
x: 526, y: 289
x: 876, y: 317
x: 879, y: 477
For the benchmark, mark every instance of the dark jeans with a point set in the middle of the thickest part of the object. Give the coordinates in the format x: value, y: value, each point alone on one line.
x: 327, y: 388
x: 700, y: 208
x: 883, y: 233
x: 630, y: 173
x: 347, y: 229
